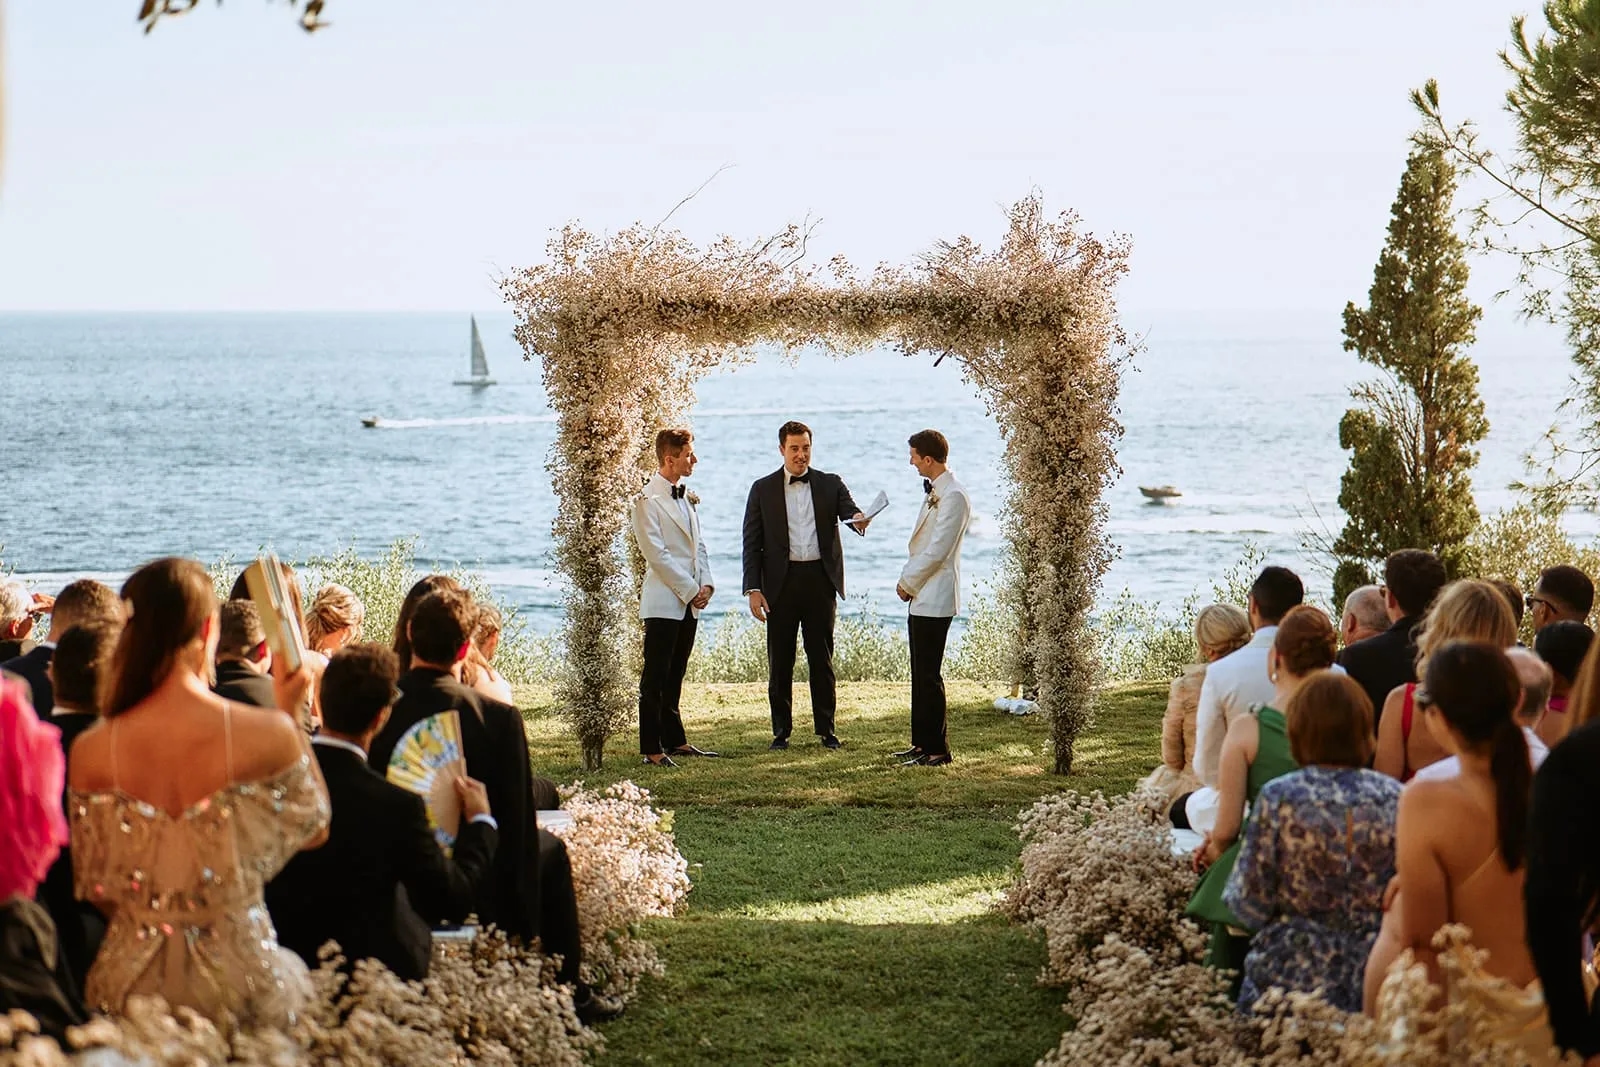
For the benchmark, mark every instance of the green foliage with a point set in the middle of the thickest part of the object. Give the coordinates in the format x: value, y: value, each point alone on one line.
x: 1520, y: 542
x: 1139, y: 642
x: 1411, y: 434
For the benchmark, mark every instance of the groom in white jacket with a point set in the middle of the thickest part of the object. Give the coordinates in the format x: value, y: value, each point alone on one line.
x: 677, y: 584
x: 931, y: 583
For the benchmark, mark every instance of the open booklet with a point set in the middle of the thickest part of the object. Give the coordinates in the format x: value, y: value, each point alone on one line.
x: 265, y: 580
x: 871, y: 511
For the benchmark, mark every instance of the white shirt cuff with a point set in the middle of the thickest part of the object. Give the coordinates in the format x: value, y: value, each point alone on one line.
x: 486, y: 819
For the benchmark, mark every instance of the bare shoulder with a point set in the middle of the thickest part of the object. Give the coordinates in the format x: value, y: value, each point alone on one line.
x: 87, y: 765
x: 1424, y: 796
x: 265, y: 741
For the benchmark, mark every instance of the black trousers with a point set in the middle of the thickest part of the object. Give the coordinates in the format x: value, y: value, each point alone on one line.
x: 804, y: 607
x: 667, y: 644
x: 558, y: 907
x: 927, y: 638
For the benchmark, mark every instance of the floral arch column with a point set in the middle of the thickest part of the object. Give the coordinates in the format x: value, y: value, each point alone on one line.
x: 624, y: 327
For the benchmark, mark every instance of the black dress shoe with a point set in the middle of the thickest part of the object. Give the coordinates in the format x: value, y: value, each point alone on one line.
x: 690, y: 750
x: 779, y: 743
x: 829, y: 741
x: 660, y: 761
x: 911, y: 752
x: 594, y: 1008
x: 937, y: 759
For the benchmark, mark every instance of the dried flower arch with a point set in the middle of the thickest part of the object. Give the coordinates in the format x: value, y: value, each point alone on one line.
x: 625, y: 326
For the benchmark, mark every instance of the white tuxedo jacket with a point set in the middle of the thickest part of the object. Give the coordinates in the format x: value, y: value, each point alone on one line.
x: 933, y: 574
x: 676, y: 564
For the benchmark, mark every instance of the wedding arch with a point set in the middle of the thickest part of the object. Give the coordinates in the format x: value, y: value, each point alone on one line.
x: 625, y: 325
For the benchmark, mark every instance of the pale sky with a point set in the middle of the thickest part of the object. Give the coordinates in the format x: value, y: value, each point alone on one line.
x: 404, y: 156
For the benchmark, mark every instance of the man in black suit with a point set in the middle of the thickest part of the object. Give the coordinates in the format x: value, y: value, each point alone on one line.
x: 244, y: 663
x: 82, y: 656
x: 20, y: 611
x: 382, y: 880
x: 793, y: 570
x: 530, y: 893
x: 82, y: 601
x: 1411, y: 580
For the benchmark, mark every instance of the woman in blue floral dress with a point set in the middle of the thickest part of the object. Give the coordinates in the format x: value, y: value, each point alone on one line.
x: 1318, y: 852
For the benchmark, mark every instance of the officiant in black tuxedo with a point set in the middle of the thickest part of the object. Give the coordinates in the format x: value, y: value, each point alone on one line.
x: 793, y: 570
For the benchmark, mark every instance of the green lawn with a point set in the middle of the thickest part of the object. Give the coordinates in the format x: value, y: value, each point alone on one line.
x: 842, y: 904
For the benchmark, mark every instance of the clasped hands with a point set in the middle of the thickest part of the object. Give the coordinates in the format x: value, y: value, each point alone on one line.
x: 701, y: 598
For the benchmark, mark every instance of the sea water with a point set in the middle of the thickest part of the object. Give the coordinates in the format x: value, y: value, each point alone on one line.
x: 136, y: 435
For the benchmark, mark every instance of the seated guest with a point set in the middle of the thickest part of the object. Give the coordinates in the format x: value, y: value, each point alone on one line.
x: 183, y: 805
x: 1466, y: 610
x: 1563, y: 645
x: 1233, y: 685
x: 80, y: 602
x: 244, y: 663
x: 1318, y: 852
x: 1533, y: 674
x: 1255, y: 753
x: 1462, y: 843
x: 480, y: 658
x: 1366, y: 614
x: 433, y: 583
x: 1219, y: 629
x: 1562, y: 890
x: 333, y: 620
x: 33, y: 971
x: 1563, y: 593
x: 18, y: 613
x: 1412, y: 579
x: 315, y: 662
x: 81, y: 660
x: 381, y: 880
x: 531, y: 893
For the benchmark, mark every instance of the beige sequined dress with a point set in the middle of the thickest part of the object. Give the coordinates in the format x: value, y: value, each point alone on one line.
x: 187, y: 918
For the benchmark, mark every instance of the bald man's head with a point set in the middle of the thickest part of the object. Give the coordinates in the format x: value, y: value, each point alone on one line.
x: 1536, y: 678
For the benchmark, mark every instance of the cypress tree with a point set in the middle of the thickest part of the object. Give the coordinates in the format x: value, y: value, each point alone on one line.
x: 1412, y: 431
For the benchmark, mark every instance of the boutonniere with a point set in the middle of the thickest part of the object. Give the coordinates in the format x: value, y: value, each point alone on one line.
x: 932, y: 500
x: 693, y: 498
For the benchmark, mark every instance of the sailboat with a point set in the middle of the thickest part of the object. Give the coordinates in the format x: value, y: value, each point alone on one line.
x: 480, y: 362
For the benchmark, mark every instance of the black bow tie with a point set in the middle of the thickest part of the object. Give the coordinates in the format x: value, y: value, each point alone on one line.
x: 678, y: 491
x: 927, y: 486
x: 806, y: 477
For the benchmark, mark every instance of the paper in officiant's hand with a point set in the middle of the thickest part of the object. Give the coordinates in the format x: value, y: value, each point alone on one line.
x: 871, y: 511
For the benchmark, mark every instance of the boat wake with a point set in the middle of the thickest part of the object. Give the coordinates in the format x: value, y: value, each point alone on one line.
x: 470, y: 420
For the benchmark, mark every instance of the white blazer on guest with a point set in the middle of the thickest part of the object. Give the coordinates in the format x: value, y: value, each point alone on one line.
x: 933, y: 574
x: 676, y: 563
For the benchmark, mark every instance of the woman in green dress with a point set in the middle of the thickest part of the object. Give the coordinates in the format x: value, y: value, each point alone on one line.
x: 1255, y: 752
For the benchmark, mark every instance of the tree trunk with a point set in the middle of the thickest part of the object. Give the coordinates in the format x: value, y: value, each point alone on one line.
x: 593, y: 753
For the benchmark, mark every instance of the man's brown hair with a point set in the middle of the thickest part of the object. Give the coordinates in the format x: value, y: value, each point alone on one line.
x: 671, y: 441
x: 239, y: 630
x: 82, y: 656
x: 84, y: 600
x: 931, y: 444
x: 442, y: 625
x: 1330, y: 721
x: 792, y: 429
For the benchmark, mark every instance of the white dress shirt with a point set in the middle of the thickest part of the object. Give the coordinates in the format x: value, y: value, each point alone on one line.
x: 1234, y: 684
x: 802, y: 511
x: 1450, y: 766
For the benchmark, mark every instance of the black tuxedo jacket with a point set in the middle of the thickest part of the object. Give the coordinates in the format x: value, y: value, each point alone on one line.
x: 1383, y: 661
x: 497, y: 755
x: 31, y: 669
x: 766, y: 529
x: 381, y: 880
x: 79, y: 926
x: 10, y: 650
x: 240, y: 684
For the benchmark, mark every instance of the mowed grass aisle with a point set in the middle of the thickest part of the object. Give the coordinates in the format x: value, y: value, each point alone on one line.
x: 842, y: 904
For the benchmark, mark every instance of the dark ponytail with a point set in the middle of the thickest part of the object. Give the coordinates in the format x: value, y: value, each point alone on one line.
x: 1475, y: 687
x: 1513, y: 790
x: 168, y: 602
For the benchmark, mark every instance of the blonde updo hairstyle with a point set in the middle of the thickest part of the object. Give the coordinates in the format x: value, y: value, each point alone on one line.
x: 1306, y: 641
x: 1220, y: 629
x: 334, y: 608
x: 1465, y: 610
